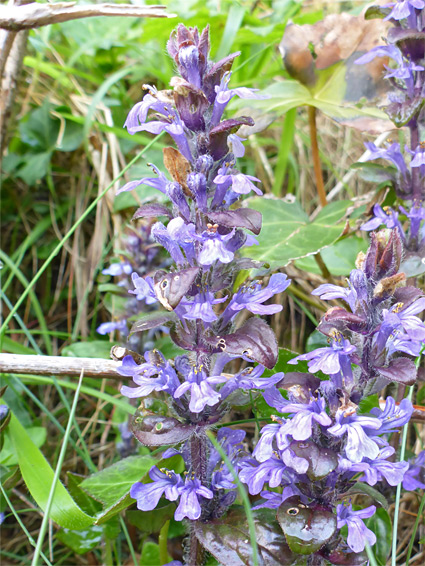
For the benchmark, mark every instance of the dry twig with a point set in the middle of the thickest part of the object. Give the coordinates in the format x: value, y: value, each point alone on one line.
x: 34, y: 15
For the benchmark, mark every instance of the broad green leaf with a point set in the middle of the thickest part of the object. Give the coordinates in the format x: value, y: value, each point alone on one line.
x: 112, y: 485
x: 38, y: 477
x: 361, y: 488
x: 8, y: 455
x: 150, y: 554
x: 339, y: 258
x: 35, y: 168
x: 151, y: 521
x: 381, y: 525
x: 368, y: 403
x: 81, y: 541
x: 93, y: 349
x: 287, y: 233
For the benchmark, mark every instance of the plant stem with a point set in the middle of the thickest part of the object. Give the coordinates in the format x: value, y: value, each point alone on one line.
x: 286, y: 142
x: 162, y: 541
x: 198, y: 457
x: 414, y: 142
x: 316, y: 159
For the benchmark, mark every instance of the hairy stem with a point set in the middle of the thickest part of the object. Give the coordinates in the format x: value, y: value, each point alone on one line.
x: 316, y: 159
x: 414, y: 142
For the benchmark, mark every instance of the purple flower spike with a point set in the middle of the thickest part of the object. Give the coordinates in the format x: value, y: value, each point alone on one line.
x: 202, y: 307
x: 334, y: 360
x: 358, y: 533
x: 189, y: 503
x: 301, y: 424
x: 143, y: 290
x: 164, y: 482
x: 241, y: 184
x: 375, y: 470
x: 358, y: 445
x: 201, y: 392
x: 384, y: 215
x: 402, y: 9
x: 252, y: 297
x: 393, y: 416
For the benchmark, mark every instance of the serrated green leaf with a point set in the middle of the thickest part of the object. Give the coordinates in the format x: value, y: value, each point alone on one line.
x: 109, y: 485
x: 38, y: 477
x: 287, y: 233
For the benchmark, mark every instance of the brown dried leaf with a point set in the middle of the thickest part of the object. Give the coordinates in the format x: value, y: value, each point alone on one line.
x: 178, y: 167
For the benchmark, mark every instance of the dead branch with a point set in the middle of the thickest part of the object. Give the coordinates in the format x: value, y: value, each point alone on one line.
x: 34, y: 15
x: 57, y: 365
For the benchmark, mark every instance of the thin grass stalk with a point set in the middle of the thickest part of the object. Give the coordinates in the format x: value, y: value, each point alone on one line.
x: 243, y: 494
x: 398, y: 491
x: 58, y: 469
x: 21, y: 524
x: 415, y: 528
x: 68, y: 235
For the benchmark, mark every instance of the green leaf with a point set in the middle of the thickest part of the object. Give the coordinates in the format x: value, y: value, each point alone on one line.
x: 150, y: 554
x: 8, y: 456
x: 40, y: 130
x: 81, y: 541
x: 361, y: 488
x: 374, y: 172
x: 287, y: 233
x: 368, y: 403
x: 339, y: 258
x: 151, y: 521
x: 93, y: 349
x: 35, y: 168
x: 381, y: 525
x: 111, y: 486
x: 38, y: 477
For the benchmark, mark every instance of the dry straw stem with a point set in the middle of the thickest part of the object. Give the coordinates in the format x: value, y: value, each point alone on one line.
x: 34, y: 15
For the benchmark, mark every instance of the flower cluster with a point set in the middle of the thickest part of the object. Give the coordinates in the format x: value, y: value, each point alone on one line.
x: 405, y: 48
x: 203, y: 230
x: 320, y: 444
x: 139, y: 256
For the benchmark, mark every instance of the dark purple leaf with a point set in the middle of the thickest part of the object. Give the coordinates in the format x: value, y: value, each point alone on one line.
x: 152, y: 210
x: 228, y: 540
x: 306, y: 529
x: 213, y: 77
x: 240, y: 218
x: 339, y: 318
x: 407, y: 295
x: 302, y: 385
x: 410, y: 41
x: 191, y: 104
x: 402, y: 370
x: 321, y: 461
x: 172, y: 287
x: 255, y: 340
x: 342, y: 558
x: 218, y: 135
x: 182, y: 338
x: 155, y: 430
x: 152, y: 320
